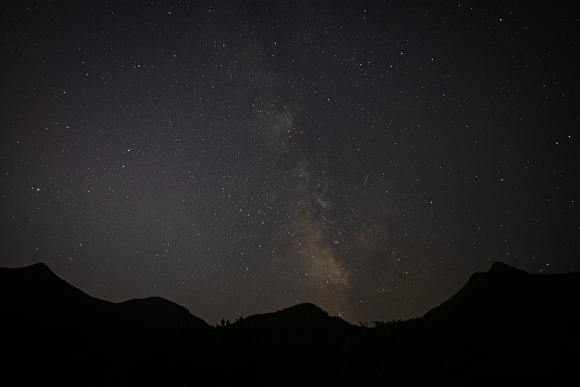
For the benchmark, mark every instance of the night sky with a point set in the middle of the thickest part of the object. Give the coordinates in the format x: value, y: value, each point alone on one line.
x: 243, y: 157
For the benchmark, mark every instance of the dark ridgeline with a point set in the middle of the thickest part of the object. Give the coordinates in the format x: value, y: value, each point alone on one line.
x: 503, y: 327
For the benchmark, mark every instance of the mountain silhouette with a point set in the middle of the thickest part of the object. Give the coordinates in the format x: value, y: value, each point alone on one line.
x: 505, y: 320
x: 504, y: 326
x: 35, y: 292
x: 65, y: 332
x: 508, y: 301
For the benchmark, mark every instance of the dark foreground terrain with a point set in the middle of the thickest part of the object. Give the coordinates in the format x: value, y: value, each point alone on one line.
x: 503, y: 327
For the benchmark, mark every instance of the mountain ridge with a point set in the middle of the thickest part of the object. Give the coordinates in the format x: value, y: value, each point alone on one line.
x: 40, y: 272
x: 505, y: 319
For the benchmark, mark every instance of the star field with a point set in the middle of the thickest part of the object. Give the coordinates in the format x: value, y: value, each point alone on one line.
x: 243, y: 157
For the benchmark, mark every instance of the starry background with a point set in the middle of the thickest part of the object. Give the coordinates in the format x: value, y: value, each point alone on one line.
x: 244, y: 157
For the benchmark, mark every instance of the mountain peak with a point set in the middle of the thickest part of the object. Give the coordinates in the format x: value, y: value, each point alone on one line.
x: 40, y: 265
x: 500, y: 269
x: 307, y: 308
x: 23, y: 277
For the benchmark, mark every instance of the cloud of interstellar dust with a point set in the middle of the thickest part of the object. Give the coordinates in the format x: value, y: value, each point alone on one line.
x: 316, y: 256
